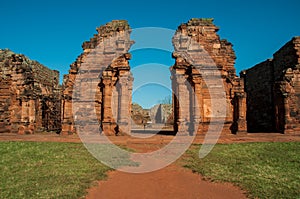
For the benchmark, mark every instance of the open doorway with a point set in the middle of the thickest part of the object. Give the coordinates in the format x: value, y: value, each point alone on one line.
x: 151, y: 110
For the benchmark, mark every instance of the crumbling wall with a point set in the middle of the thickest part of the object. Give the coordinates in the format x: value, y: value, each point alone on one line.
x: 25, y: 86
x: 199, y: 53
x: 273, y: 89
x: 287, y: 87
x: 100, y: 81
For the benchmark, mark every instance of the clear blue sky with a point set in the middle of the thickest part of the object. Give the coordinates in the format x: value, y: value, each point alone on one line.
x: 52, y: 32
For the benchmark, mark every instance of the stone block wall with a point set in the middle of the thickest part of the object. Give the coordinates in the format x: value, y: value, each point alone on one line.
x: 273, y: 91
x: 259, y: 83
x: 97, y: 90
x: 30, y: 95
x: 206, y: 88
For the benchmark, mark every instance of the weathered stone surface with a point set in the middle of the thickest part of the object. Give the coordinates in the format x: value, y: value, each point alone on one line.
x: 29, y: 97
x: 202, y: 77
x: 273, y: 89
x: 104, y: 83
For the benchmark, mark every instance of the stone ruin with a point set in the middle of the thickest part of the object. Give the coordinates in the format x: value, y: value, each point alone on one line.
x: 103, y: 68
x: 161, y: 114
x: 203, y: 64
x: 29, y: 97
x: 273, y: 90
x: 96, y: 94
x: 157, y: 117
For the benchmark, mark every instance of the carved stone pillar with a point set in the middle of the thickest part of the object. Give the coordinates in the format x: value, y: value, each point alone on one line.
x: 287, y: 117
x: 130, y: 84
x: 116, y: 92
x: 39, y: 113
x: 182, y: 94
x: 241, y: 113
x: 124, y: 100
x: 27, y: 117
x: 197, y: 105
x: 108, y: 126
x: 67, y: 117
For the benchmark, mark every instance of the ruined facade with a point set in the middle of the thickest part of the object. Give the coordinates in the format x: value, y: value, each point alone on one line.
x: 273, y: 89
x: 30, y: 95
x: 204, y: 81
x: 97, y: 90
x: 96, y: 94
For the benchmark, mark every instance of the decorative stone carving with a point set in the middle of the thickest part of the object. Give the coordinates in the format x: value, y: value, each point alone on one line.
x: 104, y: 64
x: 206, y: 64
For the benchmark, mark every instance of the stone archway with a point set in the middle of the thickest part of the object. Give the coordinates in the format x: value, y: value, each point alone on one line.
x: 97, y: 90
x: 203, y: 73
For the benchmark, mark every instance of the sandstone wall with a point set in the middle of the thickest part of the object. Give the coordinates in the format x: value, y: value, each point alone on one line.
x: 206, y: 88
x: 273, y: 89
x: 30, y: 95
x: 99, y: 83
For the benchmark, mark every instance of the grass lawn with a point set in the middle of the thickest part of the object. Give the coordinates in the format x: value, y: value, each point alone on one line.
x: 47, y: 170
x: 264, y: 170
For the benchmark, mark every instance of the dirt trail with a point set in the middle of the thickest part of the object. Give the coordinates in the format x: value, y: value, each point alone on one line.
x: 170, y: 182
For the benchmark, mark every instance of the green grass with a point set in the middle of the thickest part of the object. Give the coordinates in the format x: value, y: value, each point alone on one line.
x: 47, y: 170
x: 264, y: 170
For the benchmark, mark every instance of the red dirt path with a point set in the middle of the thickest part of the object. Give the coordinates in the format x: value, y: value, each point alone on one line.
x: 170, y: 182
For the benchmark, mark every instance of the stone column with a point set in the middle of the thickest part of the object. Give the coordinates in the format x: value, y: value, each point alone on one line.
x: 197, y: 108
x: 27, y: 117
x: 124, y: 111
x: 130, y: 84
x: 116, y: 92
x: 98, y: 103
x: 32, y: 113
x: 184, y: 107
x: 107, y: 123
x: 67, y: 117
x: 242, y: 106
x: 39, y: 114
x: 287, y: 128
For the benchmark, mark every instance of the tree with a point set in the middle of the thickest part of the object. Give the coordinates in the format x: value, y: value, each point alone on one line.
x: 166, y: 100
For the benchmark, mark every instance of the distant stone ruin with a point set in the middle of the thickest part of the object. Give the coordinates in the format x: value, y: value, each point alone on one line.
x: 206, y: 90
x: 162, y: 114
x: 139, y: 115
x: 29, y: 95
